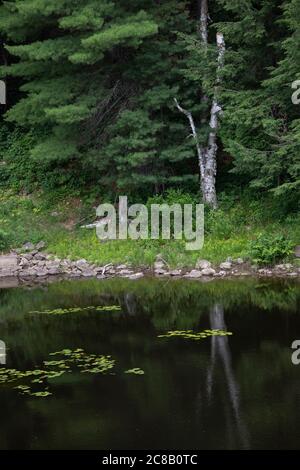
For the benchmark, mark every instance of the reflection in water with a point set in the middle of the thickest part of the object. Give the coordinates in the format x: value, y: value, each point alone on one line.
x: 220, y: 351
x: 245, y: 388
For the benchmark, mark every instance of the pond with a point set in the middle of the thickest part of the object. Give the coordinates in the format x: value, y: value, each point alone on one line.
x: 152, y: 364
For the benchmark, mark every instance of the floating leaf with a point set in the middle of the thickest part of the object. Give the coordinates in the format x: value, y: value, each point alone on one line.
x: 136, y: 371
x: 64, y: 311
x: 196, y: 336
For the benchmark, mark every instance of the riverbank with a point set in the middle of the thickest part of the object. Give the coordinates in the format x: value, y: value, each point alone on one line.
x: 68, y: 247
x: 32, y: 262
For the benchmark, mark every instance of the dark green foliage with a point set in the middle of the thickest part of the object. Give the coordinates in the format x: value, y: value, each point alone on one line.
x: 93, y: 83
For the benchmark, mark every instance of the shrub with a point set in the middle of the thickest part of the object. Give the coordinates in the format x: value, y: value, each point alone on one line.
x: 269, y: 249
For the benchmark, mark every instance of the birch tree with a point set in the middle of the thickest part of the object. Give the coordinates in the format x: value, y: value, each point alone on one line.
x: 207, y: 154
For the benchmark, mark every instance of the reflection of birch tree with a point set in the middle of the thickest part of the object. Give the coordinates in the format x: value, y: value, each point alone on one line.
x: 220, y: 355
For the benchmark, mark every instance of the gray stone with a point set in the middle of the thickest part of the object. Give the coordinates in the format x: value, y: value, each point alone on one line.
x: 159, y: 265
x: 160, y: 272
x: 175, y: 272
x: 53, y: 272
x: 208, y: 272
x: 126, y: 272
x: 28, y: 246
x: 40, y: 245
x: 136, y: 276
x: 24, y: 262
x: 40, y: 257
x: 239, y: 261
x: 81, y: 262
x: 8, y: 264
x: 195, y: 274
x: 88, y: 274
x: 42, y: 272
x: 226, y: 266
x: 28, y: 256
x: 203, y: 264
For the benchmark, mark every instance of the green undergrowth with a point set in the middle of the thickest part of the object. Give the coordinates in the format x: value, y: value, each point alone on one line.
x: 229, y: 232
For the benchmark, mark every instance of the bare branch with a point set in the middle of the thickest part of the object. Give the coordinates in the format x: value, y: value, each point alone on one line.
x: 189, y: 115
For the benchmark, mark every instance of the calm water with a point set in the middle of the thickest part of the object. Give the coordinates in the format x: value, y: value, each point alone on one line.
x: 234, y: 392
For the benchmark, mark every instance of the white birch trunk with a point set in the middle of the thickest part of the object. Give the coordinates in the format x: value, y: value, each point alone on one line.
x: 204, y: 22
x: 210, y: 153
x: 207, y: 156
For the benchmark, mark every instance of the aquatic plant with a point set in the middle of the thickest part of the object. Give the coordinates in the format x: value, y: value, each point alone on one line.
x: 190, y: 334
x: 70, y: 362
x: 135, y: 371
x: 64, y: 311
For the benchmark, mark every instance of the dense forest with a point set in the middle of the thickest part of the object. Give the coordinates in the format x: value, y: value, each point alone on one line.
x: 148, y: 98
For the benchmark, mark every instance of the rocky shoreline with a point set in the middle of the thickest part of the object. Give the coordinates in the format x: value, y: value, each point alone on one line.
x: 32, y: 263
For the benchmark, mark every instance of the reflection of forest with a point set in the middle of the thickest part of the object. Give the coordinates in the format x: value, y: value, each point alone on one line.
x: 236, y: 392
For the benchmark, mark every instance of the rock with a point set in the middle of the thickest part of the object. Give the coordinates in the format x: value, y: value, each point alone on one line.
x: 40, y: 257
x: 203, y: 264
x: 284, y: 267
x: 122, y: 266
x: 208, y: 272
x: 24, y: 262
x: 160, y: 272
x: 136, y: 276
x: 239, y: 261
x: 221, y: 273
x: 226, y: 266
x: 53, y: 272
x: 293, y: 274
x: 88, y: 274
x: 126, y: 272
x: 229, y: 259
x: 81, y: 262
x: 40, y: 245
x: 111, y: 270
x: 42, y: 272
x: 28, y: 246
x: 8, y: 265
x: 159, y: 265
x: 195, y: 274
x: 28, y: 256
x: 175, y: 272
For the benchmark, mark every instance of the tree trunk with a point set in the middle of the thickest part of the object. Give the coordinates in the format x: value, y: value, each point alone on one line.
x: 207, y: 156
x: 203, y: 21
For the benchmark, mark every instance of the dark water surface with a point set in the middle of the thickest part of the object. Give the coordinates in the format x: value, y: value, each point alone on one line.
x: 228, y: 392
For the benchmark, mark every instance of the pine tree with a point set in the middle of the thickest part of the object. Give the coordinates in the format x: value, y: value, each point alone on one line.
x: 259, y: 129
x: 99, y: 80
x: 68, y: 58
